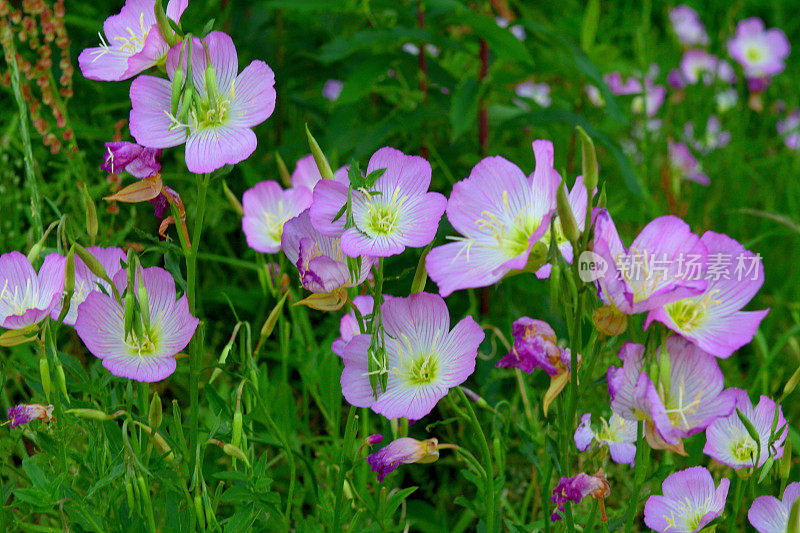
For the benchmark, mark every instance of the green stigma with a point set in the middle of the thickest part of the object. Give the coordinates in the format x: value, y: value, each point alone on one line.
x: 423, y: 370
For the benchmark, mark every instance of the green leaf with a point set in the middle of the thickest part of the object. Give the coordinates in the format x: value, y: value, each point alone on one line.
x: 463, y: 107
x: 591, y: 18
x: 501, y: 41
x: 362, y: 79
x: 394, y: 501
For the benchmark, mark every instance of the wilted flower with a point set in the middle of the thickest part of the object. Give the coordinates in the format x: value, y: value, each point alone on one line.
x: 218, y: 131
x: 538, y: 92
x: 397, y: 212
x: 713, y: 138
x: 133, y: 42
x: 25, y: 297
x: 144, y: 353
x: 665, y: 262
x: 534, y: 347
x: 348, y: 325
x: 685, y: 165
x: 501, y: 215
x: 402, y: 451
x: 574, y: 489
x: 87, y: 282
x: 687, y: 26
x: 138, y: 161
x: 24, y: 413
x: 618, y: 434
x: 760, y: 52
x: 789, y: 129
x: 266, y: 208
x: 690, y: 501
x: 332, y: 89
x: 322, y: 265
x: 728, y: 441
x: 425, y: 358
x: 688, y: 396
x: 768, y: 514
x: 306, y: 173
x: 713, y: 320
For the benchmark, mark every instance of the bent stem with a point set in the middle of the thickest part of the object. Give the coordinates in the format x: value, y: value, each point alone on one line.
x: 191, y: 295
x: 487, y: 460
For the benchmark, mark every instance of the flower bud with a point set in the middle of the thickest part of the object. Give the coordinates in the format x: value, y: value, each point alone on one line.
x: 793, y: 525
x: 211, y: 78
x: 235, y: 203
x: 319, y: 157
x: 129, y: 497
x: 236, y: 427
x: 588, y: 162
x: 156, y: 412
x: 93, y: 414
x: 664, y: 369
x: 198, y: 510
x: 130, y: 313
x: 791, y: 384
x: 751, y: 430
x: 44, y: 372
x: 94, y: 266
x: 283, y: 172
x: 163, y: 24
x: 568, y: 225
x: 177, y: 89
x: 91, y: 214
x: 61, y: 380
x: 786, y: 461
x: 144, y: 303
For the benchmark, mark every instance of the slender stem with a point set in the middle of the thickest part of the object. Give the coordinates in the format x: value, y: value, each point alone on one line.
x: 637, y: 466
x: 30, y: 174
x: 487, y: 460
x: 736, y: 500
x: 191, y: 294
x: 346, y: 448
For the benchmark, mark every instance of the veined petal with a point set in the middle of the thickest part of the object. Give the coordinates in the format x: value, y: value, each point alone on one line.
x: 213, y: 148
x: 253, y: 96
x: 147, y: 369
x: 356, y: 386
x: 150, y: 122
x: 100, y: 64
x: 410, y: 173
x: 462, y: 265
x: 329, y: 198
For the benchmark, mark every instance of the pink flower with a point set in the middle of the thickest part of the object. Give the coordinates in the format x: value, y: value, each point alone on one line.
x: 760, y: 52
x: 574, y: 489
x: 218, y: 131
x: 621, y: 86
x: 138, y: 161
x: 306, y: 173
x: 685, y: 164
x: 535, y: 347
x: 267, y: 207
x: 771, y: 515
x: 425, y: 358
x: 25, y: 297
x: 789, y: 130
x: 132, y: 44
x: 143, y: 354
x: 618, y: 434
x: 24, y: 413
x: 348, y: 325
x: 332, y: 89
x: 402, y: 451
x: 687, y: 26
x: 689, y: 502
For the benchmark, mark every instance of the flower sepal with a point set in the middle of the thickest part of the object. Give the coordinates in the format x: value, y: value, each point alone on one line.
x: 329, y: 301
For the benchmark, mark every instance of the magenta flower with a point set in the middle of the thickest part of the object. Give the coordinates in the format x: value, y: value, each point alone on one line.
x: 691, y: 400
x: 728, y: 441
x: 425, y: 358
x: 713, y: 319
x: 620, y: 86
x: 318, y: 257
x: 618, y: 434
x: 267, y: 207
x: 144, y: 354
x: 348, y: 325
x: 665, y: 262
x: 697, y: 66
x: 789, y: 130
x: 651, y: 101
x: 136, y: 160
x: 535, y: 347
x: 402, y: 451
x: 768, y: 514
x: 685, y: 165
x: 574, y: 489
x: 306, y: 174
x: 24, y: 413
x: 25, y: 297
x: 760, y: 52
x: 332, y: 89
x: 86, y: 282
x: 161, y: 203
x: 687, y: 26
x: 713, y: 138
x: 219, y: 131
x: 396, y: 213
x: 500, y: 215
x: 690, y: 500
x: 132, y: 44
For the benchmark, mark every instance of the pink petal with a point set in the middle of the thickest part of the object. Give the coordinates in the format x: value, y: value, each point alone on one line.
x: 213, y: 148
x: 253, y: 96
x: 149, y: 124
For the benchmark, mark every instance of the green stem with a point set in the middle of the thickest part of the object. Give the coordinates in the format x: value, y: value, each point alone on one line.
x: 346, y: 447
x: 487, y: 460
x: 736, y: 500
x: 637, y: 466
x: 191, y: 294
x: 30, y: 173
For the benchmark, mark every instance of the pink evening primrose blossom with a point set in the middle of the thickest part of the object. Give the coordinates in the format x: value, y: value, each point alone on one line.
x: 651, y: 101
x: 332, y: 89
x: 574, y: 489
x: 306, y: 173
x: 578, y: 203
x: 138, y: 161
x: 689, y: 501
x: 267, y: 207
x: 691, y: 400
x: 768, y: 514
x: 713, y: 138
x: 86, y: 282
x: 144, y: 354
x: 697, y: 66
x: 501, y: 214
x: 728, y: 441
x: 617, y: 433
x: 24, y: 413
x: 789, y: 130
x: 218, y: 131
x: 132, y: 43
x: 713, y: 320
x: 425, y: 358
x: 687, y: 26
x: 398, y: 211
x: 402, y: 451
x: 685, y: 165
x: 760, y: 52
x: 318, y: 257
x: 665, y: 263
x: 25, y: 297
x: 348, y: 325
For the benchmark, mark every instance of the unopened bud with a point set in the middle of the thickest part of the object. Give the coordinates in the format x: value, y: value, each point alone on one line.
x: 751, y: 429
x: 93, y: 414
x: 91, y: 262
x: 664, y: 368
x: 130, y: 312
x: 163, y: 24
x: 144, y: 303
x: 232, y: 200
x: 156, y: 413
x: 283, y: 172
x: 44, y: 373
x: 588, y: 162
x: 236, y: 427
x: 786, y: 460
x: 791, y: 384
x: 568, y: 225
x: 198, y: 510
x: 91, y: 214
x: 61, y: 380
x: 177, y: 89
x: 210, y: 77
x: 793, y: 525
x: 319, y: 157
x: 129, y: 497
x: 601, y: 200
